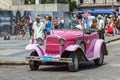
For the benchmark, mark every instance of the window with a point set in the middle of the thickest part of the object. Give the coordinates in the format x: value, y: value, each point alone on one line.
x: 94, y: 1
x: 81, y: 1
x: 118, y: 0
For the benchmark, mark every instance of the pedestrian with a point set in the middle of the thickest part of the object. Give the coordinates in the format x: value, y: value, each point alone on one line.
x: 75, y: 22
x: 62, y: 22
x: 48, y: 24
x: 118, y: 25
x: 90, y: 19
x: 111, y: 23
x: 29, y: 24
x: 101, y: 26
x: 94, y: 24
x: 38, y: 29
x: 56, y: 23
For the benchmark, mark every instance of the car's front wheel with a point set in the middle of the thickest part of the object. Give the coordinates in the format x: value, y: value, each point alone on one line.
x: 34, y: 65
x: 74, y: 65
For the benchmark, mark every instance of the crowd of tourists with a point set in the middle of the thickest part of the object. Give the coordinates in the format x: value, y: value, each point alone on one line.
x: 108, y: 24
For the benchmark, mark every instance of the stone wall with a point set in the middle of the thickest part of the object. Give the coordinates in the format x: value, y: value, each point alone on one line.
x: 18, y: 2
x: 5, y: 4
x: 18, y: 5
x: 42, y: 7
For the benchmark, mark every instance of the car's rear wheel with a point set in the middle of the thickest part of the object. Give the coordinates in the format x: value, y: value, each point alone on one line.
x: 74, y: 65
x: 34, y: 65
x: 99, y: 61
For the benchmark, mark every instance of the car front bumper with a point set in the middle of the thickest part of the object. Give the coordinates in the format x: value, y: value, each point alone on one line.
x: 48, y: 59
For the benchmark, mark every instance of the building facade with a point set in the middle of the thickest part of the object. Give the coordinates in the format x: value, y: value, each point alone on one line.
x: 19, y: 5
x: 98, y: 4
x: 13, y: 11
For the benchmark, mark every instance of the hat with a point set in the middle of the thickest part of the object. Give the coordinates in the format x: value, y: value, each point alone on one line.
x: 111, y: 15
x: 99, y: 16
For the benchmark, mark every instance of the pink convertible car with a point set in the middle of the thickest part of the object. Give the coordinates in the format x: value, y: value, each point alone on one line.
x: 67, y: 47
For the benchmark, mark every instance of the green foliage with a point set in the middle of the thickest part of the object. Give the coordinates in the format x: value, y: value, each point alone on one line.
x: 47, y: 1
x: 30, y: 1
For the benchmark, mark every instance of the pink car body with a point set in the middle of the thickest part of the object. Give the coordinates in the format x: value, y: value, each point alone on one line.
x: 87, y: 47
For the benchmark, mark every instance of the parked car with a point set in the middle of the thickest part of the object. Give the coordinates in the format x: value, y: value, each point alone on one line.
x: 67, y: 47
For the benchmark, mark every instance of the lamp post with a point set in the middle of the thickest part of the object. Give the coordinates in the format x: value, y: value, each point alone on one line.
x: 55, y: 1
x: 112, y: 4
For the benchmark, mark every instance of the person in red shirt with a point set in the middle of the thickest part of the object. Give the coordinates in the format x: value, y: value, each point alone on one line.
x: 109, y: 30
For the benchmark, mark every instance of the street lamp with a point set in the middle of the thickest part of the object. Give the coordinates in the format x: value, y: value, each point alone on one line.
x: 55, y: 1
x: 112, y: 4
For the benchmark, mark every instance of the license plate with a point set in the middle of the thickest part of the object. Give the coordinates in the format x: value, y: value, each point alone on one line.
x: 46, y: 59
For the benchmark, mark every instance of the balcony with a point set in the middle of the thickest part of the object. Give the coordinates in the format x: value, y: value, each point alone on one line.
x: 99, y: 5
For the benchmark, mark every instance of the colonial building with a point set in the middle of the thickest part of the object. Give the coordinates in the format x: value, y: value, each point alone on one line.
x: 98, y: 4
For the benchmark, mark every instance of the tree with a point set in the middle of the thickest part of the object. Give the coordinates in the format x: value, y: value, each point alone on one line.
x: 47, y: 1
x: 29, y: 1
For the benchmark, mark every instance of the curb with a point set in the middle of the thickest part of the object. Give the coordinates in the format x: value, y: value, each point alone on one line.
x: 27, y: 63
x: 14, y: 63
x: 112, y: 40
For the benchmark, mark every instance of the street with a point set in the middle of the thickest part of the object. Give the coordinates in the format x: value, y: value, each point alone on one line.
x: 87, y: 71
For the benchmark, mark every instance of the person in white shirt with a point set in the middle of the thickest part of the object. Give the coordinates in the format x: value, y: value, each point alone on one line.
x: 101, y: 26
x: 101, y: 22
x: 38, y: 29
x: 90, y: 19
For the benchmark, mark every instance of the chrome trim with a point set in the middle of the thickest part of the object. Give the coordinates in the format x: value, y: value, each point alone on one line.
x: 65, y: 60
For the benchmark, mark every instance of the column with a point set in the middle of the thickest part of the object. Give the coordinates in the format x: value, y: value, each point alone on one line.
x: 37, y: 2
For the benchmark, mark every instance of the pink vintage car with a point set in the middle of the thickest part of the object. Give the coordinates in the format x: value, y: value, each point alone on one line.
x: 67, y: 47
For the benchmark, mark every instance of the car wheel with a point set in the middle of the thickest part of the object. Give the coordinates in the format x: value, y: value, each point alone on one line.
x: 99, y: 61
x: 74, y: 65
x: 34, y: 65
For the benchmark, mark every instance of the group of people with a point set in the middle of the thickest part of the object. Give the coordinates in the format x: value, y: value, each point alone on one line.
x: 105, y: 24
x: 41, y: 29
x: 37, y: 28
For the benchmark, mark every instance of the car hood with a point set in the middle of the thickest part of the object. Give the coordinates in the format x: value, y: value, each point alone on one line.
x: 67, y: 34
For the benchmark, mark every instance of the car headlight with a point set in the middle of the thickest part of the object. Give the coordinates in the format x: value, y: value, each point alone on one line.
x: 62, y: 41
x: 40, y: 41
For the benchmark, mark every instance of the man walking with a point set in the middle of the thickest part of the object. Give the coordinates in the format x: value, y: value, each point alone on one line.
x: 38, y: 29
x: 101, y: 26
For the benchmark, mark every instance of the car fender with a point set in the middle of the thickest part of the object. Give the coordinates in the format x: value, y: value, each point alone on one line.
x: 97, y: 48
x: 38, y: 49
x: 73, y: 47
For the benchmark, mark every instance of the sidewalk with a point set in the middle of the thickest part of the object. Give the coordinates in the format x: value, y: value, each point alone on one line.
x: 12, y: 51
